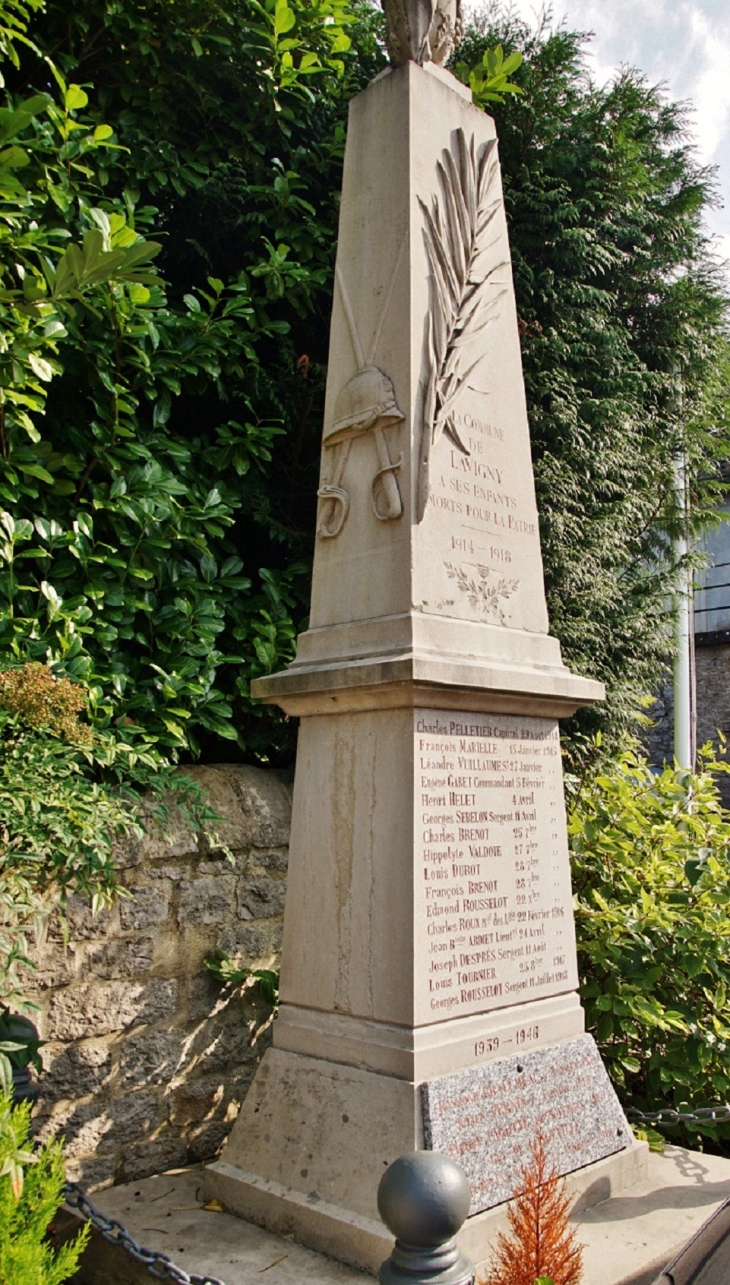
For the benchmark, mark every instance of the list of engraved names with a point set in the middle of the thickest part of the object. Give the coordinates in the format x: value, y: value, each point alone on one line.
x: 493, y: 898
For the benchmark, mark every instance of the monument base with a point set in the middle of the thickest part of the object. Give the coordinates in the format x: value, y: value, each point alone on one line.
x: 365, y: 1242
x: 314, y: 1137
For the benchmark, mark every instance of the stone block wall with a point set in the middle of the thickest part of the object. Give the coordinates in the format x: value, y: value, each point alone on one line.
x: 148, y: 1059
x: 712, y: 703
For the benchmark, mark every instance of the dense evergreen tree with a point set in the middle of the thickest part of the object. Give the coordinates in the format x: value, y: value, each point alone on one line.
x: 622, y: 305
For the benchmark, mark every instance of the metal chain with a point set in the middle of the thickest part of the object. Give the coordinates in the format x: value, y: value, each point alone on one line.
x: 157, y: 1263
x: 703, y: 1115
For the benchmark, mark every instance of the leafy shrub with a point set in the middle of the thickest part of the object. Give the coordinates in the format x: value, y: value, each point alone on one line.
x: 29, y: 1198
x: 44, y: 701
x: 229, y: 974
x: 651, y: 860
x: 135, y: 420
x: 57, y: 824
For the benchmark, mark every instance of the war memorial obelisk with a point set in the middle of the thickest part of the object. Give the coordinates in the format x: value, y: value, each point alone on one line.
x: 428, y: 983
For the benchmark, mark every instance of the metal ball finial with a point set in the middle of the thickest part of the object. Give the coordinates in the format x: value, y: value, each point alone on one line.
x: 423, y: 1199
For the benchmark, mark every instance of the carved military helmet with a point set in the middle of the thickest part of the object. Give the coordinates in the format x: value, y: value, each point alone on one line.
x: 366, y: 400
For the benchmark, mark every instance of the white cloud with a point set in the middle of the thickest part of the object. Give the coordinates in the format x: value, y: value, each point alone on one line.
x: 684, y: 44
x: 711, y: 90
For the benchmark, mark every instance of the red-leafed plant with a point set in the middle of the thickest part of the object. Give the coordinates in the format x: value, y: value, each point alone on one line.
x: 540, y: 1242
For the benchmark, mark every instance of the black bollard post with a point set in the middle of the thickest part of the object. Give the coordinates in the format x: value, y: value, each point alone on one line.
x: 423, y: 1199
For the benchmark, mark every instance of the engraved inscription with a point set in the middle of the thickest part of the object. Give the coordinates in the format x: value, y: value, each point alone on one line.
x: 484, y: 524
x: 493, y: 881
x: 477, y: 492
x: 487, y: 1117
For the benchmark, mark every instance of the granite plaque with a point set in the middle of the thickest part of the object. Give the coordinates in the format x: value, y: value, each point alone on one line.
x: 493, y: 895
x: 487, y: 1117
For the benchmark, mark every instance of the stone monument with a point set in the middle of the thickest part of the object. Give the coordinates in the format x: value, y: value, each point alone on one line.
x: 428, y: 983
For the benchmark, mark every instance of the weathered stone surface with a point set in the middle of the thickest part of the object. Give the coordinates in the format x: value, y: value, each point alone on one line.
x: 206, y: 900
x: 57, y: 965
x: 84, y: 1011
x: 169, y: 838
x: 94, y: 1172
x: 83, y: 1124
x: 75, y: 1070
x: 129, y: 852
x: 113, y: 960
x: 81, y: 924
x: 487, y: 1117
x: 195, y: 1103
x: 218, y: 863
x: 150, y: 1058
x: 260, y: 898
x: 135, y: 1114
x: 83, y: 1139
x: 159, y: 999
x: 175, y: 872
x: 247, y: 942
x: 265, y: 803
x: 232, y: 1044
x: 153, y: 1156
x: 205, y: 1141
x: 149, y: 905
x: 277, y: 861
x: 235, y: 828
x: 206, y: 997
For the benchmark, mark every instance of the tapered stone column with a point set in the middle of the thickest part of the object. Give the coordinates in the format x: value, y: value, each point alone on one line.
x: 428, y: 985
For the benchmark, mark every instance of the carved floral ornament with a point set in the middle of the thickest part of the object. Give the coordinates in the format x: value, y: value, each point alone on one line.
x: 487, y: 590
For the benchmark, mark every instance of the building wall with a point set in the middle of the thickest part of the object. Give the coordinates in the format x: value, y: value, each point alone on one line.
x: 147, y: 1058
x: 711, y: 669
x: 712, y: 687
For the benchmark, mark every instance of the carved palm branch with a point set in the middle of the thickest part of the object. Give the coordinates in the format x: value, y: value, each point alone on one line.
x: 458, y: 237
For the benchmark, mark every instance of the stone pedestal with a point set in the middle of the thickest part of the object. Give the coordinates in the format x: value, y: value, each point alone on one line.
x: 428, y: 986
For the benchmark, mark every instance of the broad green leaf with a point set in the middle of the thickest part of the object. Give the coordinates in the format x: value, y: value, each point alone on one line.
x: 35, y: 470
x: 284, y: 18
x: 75, y: 98
x: 14, y: 157
x: 40, y: 366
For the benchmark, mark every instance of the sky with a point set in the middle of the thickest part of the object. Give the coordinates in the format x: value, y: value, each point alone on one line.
x: 682, y: 43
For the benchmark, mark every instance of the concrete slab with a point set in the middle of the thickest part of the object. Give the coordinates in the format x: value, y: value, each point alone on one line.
x: 628, y: 1239
x: 166, y: 1213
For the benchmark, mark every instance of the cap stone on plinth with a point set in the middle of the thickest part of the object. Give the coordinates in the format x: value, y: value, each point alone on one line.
x: 429, y: 948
